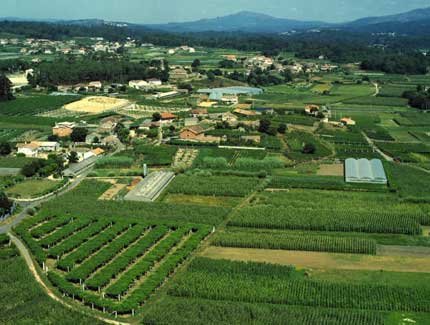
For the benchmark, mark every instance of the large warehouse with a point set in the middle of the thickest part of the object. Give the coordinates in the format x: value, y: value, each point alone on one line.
x: 365, y: 171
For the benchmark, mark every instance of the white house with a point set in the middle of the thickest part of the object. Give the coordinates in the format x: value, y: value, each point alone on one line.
x: 28, y: 149
x: 154, y: 82
x: 34, y: 148
x: 47, y: 146
x: 138, y: 84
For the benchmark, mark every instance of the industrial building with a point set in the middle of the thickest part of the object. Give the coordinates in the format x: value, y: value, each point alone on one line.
x: 365, y: 171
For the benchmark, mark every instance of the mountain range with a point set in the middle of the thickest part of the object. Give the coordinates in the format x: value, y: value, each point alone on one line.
x: 415, y: 22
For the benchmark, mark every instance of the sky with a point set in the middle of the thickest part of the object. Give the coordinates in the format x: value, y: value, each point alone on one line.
x: 163, y: 11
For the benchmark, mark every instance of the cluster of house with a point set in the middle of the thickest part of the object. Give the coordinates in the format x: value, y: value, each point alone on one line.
x: 310, y: 67
x: 264, y: 62
x: 41, y: 149
x: 92, y: 86
x: 325, y: 114
x: 32, y: 46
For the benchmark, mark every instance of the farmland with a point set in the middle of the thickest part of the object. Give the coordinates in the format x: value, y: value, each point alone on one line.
x: 202, y: 206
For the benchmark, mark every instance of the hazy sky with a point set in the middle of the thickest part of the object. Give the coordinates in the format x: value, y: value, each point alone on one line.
x: 160, y: 11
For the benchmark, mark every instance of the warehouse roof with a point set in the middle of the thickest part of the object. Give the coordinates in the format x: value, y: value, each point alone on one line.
x: 365, y: 171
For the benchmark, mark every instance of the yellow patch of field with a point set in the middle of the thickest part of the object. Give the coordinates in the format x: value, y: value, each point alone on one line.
x: 321, y: 260
x: 203, y: 200
x: 18, y: 79
x: 97, y: 105
x: 330, y: 170
x: 320, y: 88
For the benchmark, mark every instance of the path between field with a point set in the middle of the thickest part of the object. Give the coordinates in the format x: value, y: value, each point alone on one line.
x: 321, y: 260
x: 377, y: 90
x: 406, y: 251
x: 28, y: 260
x: 374, y: 147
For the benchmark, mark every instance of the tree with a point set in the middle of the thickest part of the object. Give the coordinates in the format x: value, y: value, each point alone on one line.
x: 30, y: 169
x: 282, y: 128
x: 5, y: 89
x: 53, y: 137
x: 5, y: 204
x: 123, y: 133
x: 156, y: 117
x: 5, y: 148
x: 73, y: 157
x: 211, y: 76
x: 264, y: 126
x: 79, y: 134
x: 309, y: 148
x: 272, y: 131
x: 196, y: 63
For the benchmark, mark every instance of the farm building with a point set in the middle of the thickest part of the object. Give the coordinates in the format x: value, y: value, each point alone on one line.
x: 63, y: 129
x: 365, y: 171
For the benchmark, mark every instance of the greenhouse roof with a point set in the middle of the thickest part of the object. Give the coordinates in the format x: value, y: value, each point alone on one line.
x: 365, y: 171
x: 232, y: 91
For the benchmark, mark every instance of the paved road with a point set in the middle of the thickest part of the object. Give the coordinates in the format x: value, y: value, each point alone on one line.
x: 16, y: 220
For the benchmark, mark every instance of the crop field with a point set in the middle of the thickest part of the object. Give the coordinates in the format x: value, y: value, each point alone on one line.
x: 22, y: 298
x: 259, y: 228
x: 9, y: 134
x: 296, y: 142
x: 213, y: 185
x: 33, y: 188
x: 108, y: 264
x: 14, y: 162
x: 275, y: 293
x: 207, y: 157
x: 81, y: 200
x: 333, y: 211
x: 34, y: 104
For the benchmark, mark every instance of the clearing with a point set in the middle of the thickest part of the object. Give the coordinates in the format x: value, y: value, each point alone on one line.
x: 32, y: 188
x: 97, y: 105
x: 331, y: 170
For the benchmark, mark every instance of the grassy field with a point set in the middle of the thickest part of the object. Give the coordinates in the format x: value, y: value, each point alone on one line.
x: 33, y: 188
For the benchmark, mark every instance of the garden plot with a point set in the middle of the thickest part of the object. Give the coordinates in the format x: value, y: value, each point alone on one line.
x: 151, y: 187
x: 112, y: 192
x: 185, y: 157
x: 331, y: 170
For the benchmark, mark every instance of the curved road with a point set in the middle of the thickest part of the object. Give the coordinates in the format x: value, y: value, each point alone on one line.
x: 17, y: 219
x: 29, y: 261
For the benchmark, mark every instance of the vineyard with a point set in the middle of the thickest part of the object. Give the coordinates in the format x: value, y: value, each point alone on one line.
x: 306, y: 242
x: 109, y: 264
x: 213, y: 185
x: 271, y: 217
x: 34, y: 105
x: 246, y: 282
x: 81, y: 202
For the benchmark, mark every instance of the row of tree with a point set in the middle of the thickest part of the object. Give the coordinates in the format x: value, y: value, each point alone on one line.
x: 419, y: 99
x: 5, y: 89
x: 72, y: 71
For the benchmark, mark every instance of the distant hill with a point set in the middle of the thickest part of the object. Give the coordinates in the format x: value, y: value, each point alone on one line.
x: 407, y: 17
x: 415, y: 22
x: 244, y: 21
